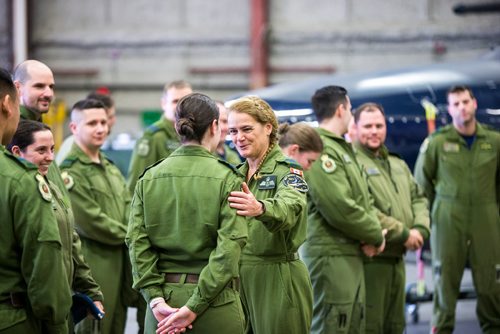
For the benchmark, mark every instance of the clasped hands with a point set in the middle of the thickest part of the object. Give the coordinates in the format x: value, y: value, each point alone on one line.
x: 414, y: 242
x: 173, y: 320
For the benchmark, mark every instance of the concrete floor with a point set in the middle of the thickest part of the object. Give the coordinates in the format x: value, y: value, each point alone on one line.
x: 465, y: 313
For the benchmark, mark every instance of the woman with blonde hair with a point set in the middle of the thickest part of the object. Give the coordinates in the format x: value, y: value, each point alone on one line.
x: 275, y: 286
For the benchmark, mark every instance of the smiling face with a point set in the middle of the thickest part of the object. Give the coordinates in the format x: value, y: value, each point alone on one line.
x: 40, y: 152
x: 250, y: 137
x: 37, y: 91
x: 371, y: 129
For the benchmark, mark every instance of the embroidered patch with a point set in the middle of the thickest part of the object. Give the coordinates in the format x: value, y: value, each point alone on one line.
x: 295, y: 181
x: 267, y: 182
x: 328, y: 164
x: 451, y: 147
x: 68, y: 180
x: 43, y: 188
x: 372, y: 171
x: 143, y: 147
x: 296, y: 171
x: 485, y: 146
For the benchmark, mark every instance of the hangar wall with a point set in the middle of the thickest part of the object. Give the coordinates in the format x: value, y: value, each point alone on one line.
x: 134, y: 47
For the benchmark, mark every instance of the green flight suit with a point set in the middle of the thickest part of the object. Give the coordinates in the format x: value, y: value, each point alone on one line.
x: 100, y: 201
x: 181, y: 222
x: 31, y: 256
x: 341, y: 217
x: 463, y: 188
x: 158, y: 141
x: 54, y: 173
x: 397, y: 195
x: 230, y: 156
x: 77, y: 270
x: 276, y: 289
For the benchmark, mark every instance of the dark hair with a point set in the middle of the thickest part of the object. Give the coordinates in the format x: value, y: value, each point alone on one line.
x: 24, y: 135
x: 460, y: 89
x: 193, y: 115
x: 326, y: 100
x: 106, y: 100
x: 7, y: 86
x: 367, y: 107
x: 301, y: 134
x: 88, y: 104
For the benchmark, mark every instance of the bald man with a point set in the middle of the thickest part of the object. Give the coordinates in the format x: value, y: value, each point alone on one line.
x: 35, y: 83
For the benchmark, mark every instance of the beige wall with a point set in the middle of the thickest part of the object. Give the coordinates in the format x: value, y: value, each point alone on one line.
x: 138, y: 45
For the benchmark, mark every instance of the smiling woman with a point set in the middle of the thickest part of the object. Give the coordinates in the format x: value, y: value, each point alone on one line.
x: 33, y: 141
x: 275, y: 284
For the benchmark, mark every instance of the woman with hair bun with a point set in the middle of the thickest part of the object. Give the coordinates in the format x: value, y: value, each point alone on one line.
x: 184, y: 239
x: 300, y: 142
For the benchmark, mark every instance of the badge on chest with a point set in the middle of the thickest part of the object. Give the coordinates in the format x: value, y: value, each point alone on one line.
x: 267, y: 182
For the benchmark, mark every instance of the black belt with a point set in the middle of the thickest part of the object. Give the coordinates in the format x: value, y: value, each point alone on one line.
x: 177, y: 277
x: 16, y: 300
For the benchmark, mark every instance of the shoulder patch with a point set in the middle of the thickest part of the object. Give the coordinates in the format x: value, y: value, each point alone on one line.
x: 328, y: 164
x: 143, y: 147
x: 296, y: 171
x: 296, y: 182
x: 43, y: 188
x: 68, y: 180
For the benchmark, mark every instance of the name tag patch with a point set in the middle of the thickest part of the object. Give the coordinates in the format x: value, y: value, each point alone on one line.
x: 485, y: 146
x: 451, y: 147
x: 267, y: 182
x: 372, y: 171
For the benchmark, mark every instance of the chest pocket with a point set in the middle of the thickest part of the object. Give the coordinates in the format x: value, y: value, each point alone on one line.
x: 453, y: 160
x: 99, y: 184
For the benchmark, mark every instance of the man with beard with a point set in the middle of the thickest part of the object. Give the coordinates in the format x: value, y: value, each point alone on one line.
x: 458, y: 169
x: 397, y: 195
